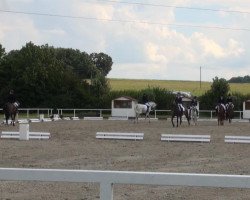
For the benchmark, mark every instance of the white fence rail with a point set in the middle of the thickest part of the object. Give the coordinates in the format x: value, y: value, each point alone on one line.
x: 107, y: 179
x: 28, y: 112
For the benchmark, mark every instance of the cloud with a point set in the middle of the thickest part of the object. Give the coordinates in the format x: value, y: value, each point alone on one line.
x: 140, y: 39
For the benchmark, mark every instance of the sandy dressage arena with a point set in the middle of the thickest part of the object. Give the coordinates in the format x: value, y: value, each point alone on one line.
x: 73, y: 146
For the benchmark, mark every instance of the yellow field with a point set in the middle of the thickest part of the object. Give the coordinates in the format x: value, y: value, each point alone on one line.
x: 195, y: 87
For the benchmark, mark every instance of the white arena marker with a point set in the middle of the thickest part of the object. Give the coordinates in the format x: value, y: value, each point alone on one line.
x: 120, y: 136
x: 24, y: 131
x: 93, y: 118
x: 237, y: 139
x: 24, y: 134
x: 118, y: 118
x: 185, y: 138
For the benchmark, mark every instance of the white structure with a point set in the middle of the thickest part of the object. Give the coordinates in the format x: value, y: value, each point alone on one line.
x: 123, y: 107
x: 107, y: 179
x: 24, y: 134
x: 185, y: 138
x: 237, y: 139
x: 120, y: 136
x: 246, y: 109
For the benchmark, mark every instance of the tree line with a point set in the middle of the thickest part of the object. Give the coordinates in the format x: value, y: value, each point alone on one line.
x: 48, y: 77
x: 44, y: 76
x: 240, y: 79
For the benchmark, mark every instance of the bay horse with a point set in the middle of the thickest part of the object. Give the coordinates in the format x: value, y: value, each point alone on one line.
x: 230, y: 111
x: 221, y: 114
x: 142, y: 109
x: 193, y: 114
x: 10, y: 111
x: 176, y: 111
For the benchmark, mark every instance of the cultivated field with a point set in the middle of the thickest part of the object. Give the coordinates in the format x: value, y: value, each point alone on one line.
x: 73, y: 146
x: 191, y: 86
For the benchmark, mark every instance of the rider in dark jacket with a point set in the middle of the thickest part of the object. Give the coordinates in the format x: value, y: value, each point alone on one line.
x: 145, y: 100
x: 229, y: 101
x: 194, y: 103
x: 221, y: 101
x: 11, y: 97
x: 178, y: 101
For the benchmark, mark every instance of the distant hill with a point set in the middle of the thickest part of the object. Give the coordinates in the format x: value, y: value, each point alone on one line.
x: 239, y: 79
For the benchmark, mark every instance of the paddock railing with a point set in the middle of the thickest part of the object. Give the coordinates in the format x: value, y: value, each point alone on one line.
x: 35, y: 112
x: 107, y: 179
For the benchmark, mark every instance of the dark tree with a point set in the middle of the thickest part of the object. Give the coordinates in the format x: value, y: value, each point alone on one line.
x: 103, y: 62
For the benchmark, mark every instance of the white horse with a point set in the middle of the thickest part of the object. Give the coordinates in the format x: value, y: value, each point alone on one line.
x: 142, y: 109
x: 193, y: 115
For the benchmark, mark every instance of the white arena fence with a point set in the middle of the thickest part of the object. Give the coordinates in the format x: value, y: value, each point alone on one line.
x: 107, y: 179
x: 35, y: 112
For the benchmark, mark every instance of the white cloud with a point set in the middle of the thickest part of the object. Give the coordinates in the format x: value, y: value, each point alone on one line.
x: 154, y: 49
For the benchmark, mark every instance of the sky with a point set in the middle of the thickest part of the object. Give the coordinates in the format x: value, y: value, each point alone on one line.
x: 146, y: 39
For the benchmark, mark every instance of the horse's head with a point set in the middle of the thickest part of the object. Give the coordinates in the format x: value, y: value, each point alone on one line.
x: 152, y: 105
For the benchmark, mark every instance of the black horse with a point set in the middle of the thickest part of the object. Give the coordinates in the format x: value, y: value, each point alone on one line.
x: 230, y: 112
x: 221, y: 114
x: 177, y: 112
x: 10, y: 111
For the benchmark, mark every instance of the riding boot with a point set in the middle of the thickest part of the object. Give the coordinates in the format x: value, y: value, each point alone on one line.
x: 147, y: 108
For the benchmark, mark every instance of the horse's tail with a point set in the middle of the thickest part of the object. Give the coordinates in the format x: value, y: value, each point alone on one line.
x: 137, y: 109
x: 5, y: 108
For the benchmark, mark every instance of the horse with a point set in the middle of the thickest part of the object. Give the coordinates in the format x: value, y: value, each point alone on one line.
x: 176, y: 111
x: 193, y: 115
x: 142, y: 109
x: 10, y: 111
x: 221, y: 114
x: 230, y: 112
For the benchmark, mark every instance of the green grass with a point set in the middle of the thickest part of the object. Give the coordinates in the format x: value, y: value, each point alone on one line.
x: 195, y: 87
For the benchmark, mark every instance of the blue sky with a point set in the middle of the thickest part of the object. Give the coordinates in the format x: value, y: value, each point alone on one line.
x: 173, y: 44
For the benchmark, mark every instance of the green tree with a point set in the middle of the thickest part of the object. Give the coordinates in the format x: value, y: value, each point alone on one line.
x: 40, y: 79
x: 103, y: 62
x: 79, y: 62
x: 219, y: 87
x: 2, y: 52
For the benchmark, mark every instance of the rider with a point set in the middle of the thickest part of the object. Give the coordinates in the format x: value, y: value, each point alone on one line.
x: 12, y: 98
x: 194, y: 104
x: 145, y: 100
x: 229, y: 100
x: 178, y: 101
x: 221, y: 101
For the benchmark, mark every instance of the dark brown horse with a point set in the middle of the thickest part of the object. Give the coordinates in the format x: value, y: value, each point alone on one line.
x: 177, y: 112
x: 221, y: 114
x: 230, y: 112
x: 10, y: 111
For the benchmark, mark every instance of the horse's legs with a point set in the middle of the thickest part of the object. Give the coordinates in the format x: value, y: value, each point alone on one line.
x: 148, y: 117
x: 188, y: 118
x: 7, y: 119
x: 13, y: 119
x: 172, y: 120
